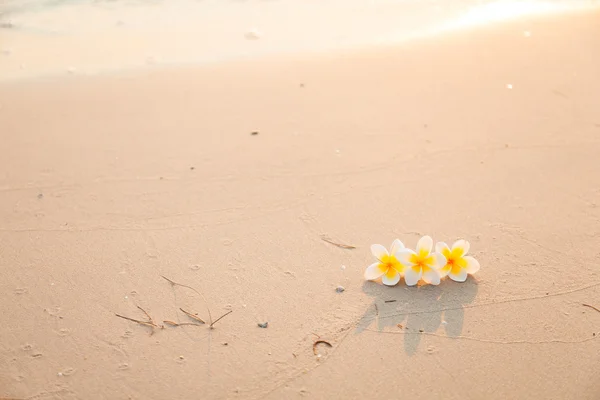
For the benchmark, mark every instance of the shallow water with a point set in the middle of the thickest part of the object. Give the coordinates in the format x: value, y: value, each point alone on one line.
x: 87, y: 36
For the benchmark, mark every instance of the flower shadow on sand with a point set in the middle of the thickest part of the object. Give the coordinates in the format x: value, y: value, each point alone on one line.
x: 412, y: 311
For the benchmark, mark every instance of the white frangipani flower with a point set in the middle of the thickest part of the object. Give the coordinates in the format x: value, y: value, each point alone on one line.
x: 387, y: 266
x: 458, y: 264
x: 422, y: 264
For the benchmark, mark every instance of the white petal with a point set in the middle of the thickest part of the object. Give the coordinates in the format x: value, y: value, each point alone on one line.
x: 412, y: 275
x: 431, y: 276
x: 462, y: 244
x: 379, y: 251
x: 397, y: 245
x: 391, y: 278
x: 425, y: 244
x: 461, y: 276
x: 440, y: 246
x: 404, y: 256
x: 472, y: 265
x: 444, y: 271
x: 374, y: 271
x: 439, y: 261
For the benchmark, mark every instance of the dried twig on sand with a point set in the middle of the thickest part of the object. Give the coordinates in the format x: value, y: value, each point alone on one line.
x: 195, y: 316
x: 147, y: 315
x: 221, y: 317
x: 191, y: 288
x: 150, y: 323
x: 172, y: 323
x: 192, y: 316
x: 592, y: 307
x: 340, y: 245
x: 325, y: 342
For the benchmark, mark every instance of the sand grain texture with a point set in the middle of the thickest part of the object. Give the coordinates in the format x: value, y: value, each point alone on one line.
x: 109, y: 182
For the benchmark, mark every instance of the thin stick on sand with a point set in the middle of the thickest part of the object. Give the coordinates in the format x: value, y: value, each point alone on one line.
x: 150, y: 323
x: 592, y: 307
x: 221, y: 317
x: 147, y: 315
x: 340, y: 245
x: 197, y: 292
x: 192, y: 316
x: 172, y: 323
x: 325, y: 342
x: 196, y: 318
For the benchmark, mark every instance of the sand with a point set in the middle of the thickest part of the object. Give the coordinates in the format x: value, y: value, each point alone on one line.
x: 109, y: 182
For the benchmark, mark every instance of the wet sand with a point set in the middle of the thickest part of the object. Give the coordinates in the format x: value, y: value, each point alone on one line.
x: 109, y: 182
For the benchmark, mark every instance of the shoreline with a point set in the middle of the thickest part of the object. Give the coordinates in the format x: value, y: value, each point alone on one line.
x: 15, y: 64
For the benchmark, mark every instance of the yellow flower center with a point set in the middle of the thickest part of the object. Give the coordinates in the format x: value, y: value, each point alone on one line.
x: 422, y: 259
x: 390, y: 262
x: 454, y: 260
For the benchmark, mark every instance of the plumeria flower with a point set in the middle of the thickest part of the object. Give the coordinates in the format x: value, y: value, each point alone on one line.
x: 387, y: 266
x: 458, y: 265
x: 422, y: 264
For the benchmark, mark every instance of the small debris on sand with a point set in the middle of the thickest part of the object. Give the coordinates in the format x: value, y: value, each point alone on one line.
x: 592, y: 307
x: 325, y: 342
x: 340, y: 289
x: 193, y: 316
x: 253, y: 35
x: 340, y: 245
x: 263, y: 325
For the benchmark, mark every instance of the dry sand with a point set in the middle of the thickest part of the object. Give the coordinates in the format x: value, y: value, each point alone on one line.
x: 109, y: 182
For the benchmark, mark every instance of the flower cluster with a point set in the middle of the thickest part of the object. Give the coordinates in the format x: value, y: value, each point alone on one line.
x: 421, y: 263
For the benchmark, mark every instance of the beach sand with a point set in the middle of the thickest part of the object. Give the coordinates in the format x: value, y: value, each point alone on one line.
x: 109, y: 182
